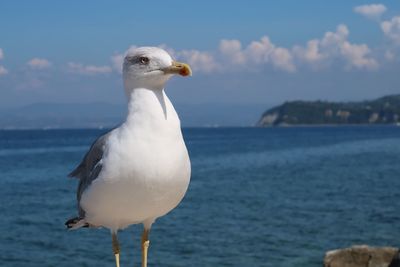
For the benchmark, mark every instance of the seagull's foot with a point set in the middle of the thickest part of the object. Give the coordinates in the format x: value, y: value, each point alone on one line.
x: 117, y: 260
x: 116, y: 249
x: 145, y: 248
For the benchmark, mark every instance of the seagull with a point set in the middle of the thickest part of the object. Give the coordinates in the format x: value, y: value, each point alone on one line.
x: 140, y: 170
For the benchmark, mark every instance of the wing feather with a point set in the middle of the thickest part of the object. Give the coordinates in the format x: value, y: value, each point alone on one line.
x: 90, y: 167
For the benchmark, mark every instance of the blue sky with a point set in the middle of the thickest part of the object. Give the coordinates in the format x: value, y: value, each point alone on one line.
x: 242, y: 52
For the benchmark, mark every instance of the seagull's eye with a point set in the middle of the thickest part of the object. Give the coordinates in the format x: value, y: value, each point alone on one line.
x: 144, y: 60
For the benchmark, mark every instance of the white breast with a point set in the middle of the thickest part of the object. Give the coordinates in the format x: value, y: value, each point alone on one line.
x: 146, y: 167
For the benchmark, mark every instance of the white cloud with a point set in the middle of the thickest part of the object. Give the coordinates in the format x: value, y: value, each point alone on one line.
x: 257, y: 53
x: 389, y: 55
x: 88, y: 69
x: 117, y: 61
x: 232, y: 50
x: 332, y: 40
x: 39, y: 63
x: 335, y: 46
x: 3, y: 71
x: 310, y: 54
x: 230, y: 56
x: 265, y: 52
x: 373, y: 11
x: 357, y: 56
x: 198, y: 60
x: 391, y: 28
x: 282, y: 59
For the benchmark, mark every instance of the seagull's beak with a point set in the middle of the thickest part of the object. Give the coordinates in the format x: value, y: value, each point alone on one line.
x: 178, y: 68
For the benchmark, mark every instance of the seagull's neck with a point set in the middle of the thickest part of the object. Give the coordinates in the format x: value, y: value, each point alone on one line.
x: 149, y: 108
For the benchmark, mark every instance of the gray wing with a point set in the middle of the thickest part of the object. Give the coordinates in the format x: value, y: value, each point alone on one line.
x: 90, y: 167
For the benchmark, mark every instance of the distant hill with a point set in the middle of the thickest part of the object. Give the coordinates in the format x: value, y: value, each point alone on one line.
x: 62, y: 115
x: 384, y: 110
x: 106, y: 115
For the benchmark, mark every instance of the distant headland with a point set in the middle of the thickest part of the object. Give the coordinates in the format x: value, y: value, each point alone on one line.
x: 384, y: 110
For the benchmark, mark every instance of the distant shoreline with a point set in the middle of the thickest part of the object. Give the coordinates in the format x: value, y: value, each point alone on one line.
x: 333, y: 125
x: 219, y: 127
x: 384, y: 110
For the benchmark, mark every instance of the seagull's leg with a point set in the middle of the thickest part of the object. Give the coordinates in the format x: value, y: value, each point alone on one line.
x: 145, y: 246
x: 115, y: 246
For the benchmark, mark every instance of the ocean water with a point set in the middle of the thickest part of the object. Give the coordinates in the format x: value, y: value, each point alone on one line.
x: 258, y: 197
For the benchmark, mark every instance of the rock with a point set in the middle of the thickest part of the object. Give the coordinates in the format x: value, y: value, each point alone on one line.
x: 396, y: 260
x: 268, y: 120
x: 363, y: 256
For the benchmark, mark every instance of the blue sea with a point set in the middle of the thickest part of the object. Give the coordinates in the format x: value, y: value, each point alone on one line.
x: 258, y: 197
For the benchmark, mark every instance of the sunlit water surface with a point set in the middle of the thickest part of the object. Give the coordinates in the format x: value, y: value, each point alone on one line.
x: 258, y: 197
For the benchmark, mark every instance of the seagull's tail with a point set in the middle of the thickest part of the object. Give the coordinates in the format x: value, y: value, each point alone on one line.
x: 76, y: 223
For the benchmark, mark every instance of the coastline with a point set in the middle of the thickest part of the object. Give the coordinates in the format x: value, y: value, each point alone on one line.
x: 213, y: 127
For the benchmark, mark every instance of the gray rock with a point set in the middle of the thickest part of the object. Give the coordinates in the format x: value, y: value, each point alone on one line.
x: 396, y: 260
x: 362, y: 256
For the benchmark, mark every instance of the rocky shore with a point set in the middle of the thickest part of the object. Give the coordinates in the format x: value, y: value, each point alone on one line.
x: 384, y: 110
x: 363, y: 256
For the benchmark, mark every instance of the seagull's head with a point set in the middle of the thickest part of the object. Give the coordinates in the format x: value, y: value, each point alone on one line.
x: 151, y: 67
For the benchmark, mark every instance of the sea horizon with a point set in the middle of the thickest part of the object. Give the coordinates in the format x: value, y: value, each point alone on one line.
x: 212, y: 127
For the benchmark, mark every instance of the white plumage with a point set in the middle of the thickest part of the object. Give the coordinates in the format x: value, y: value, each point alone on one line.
x: 146, y: 166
